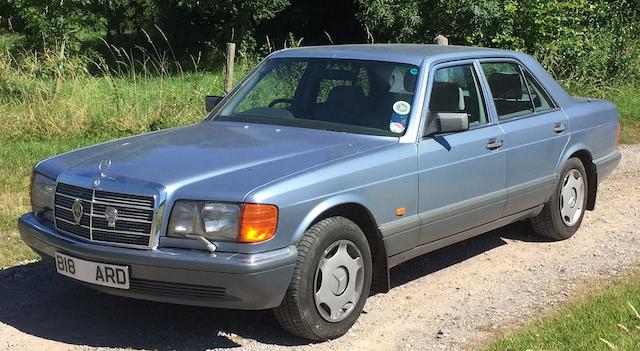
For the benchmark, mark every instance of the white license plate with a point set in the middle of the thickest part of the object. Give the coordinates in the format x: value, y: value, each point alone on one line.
x: 93, y: 272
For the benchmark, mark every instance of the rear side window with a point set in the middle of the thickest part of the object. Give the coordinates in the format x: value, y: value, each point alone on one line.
x: 509, y: 89
x: 456, y: 89
x: 541, y: 101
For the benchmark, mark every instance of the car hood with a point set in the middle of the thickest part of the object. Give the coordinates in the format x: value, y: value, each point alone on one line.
x: 222, y: 159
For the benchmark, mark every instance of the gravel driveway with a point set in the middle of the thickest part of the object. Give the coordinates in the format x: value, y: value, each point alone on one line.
x: 454, y: 298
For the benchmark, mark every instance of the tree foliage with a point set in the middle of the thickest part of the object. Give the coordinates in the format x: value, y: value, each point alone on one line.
x: 596, y: 38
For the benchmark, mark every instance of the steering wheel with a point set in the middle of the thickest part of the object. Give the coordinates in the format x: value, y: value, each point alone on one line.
x: 279, y: 101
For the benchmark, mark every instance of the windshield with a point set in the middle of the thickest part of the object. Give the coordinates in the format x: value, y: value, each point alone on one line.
x: 370, y: 97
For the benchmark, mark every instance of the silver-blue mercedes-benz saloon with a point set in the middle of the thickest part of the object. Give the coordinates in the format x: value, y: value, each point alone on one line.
x: 322, y: 169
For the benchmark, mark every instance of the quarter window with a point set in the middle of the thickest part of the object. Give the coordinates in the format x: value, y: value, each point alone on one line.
x: 541, y: 101
x: 510, y: 94
x: 456, y: 89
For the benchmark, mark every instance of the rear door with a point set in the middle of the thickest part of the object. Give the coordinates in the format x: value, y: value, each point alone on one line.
x: 461, y: 175
x: 535, y: 128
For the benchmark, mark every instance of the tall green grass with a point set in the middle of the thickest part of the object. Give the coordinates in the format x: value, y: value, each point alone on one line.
x: 46, y: 96
x: 624, y: 94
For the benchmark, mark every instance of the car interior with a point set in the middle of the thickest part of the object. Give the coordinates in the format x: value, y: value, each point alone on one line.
x: 509, y: 94
x: 456, y: 89
x: 357, y: 93
x: 348, y: 102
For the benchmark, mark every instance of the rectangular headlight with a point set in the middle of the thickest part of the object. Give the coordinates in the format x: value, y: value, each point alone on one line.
x: 212, y: 220
x: 42, y: 195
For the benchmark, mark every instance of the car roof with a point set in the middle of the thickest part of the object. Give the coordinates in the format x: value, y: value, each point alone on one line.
x: 405, y: 53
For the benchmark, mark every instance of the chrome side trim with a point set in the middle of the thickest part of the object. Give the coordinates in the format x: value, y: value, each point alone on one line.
x: 462, y: 207
x: 469, y: 233
x: 399, y: 226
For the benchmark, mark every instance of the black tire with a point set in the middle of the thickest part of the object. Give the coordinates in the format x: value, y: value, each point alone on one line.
x: 549, y: 223
x: 298, y: 313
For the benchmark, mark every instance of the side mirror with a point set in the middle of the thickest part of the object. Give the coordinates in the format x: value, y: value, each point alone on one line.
x: 446, y: 122
x: 211, y: 101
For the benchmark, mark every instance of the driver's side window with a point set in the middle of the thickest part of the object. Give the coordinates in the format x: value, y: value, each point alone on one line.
x: 276, y: 88
x: 457, y: 89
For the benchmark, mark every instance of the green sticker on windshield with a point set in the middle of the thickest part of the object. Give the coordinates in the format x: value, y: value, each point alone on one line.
x: 413, y: 71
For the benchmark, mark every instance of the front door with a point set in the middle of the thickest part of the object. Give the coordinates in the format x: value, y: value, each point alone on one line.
x: 462, y: 175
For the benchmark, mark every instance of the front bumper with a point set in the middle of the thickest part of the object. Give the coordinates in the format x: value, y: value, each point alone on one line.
x: 191, y: 277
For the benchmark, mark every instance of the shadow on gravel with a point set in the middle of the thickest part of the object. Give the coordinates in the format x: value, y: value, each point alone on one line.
x: 37, y: 301
x: 451, y: 255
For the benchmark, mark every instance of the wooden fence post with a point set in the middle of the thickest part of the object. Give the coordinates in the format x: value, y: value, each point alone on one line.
x: 441, y: 40
x: 228, y: 73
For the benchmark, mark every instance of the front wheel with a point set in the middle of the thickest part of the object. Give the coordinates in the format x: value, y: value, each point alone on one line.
x: 330, y: 283
x: 562, y: 214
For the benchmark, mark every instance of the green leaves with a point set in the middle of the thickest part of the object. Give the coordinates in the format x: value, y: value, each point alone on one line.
x: 49, y: 24
x: 574, y: 38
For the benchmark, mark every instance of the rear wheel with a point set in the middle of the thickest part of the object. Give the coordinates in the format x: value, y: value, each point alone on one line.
x: 562, y: 214
x: 330, y: 283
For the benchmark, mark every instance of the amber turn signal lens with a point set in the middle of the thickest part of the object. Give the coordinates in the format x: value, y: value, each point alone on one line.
x: 257, y: 223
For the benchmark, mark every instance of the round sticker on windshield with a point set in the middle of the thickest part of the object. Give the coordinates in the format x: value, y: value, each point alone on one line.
x: 401, y: 107
x: 413, y: 71
x: 396, y: 127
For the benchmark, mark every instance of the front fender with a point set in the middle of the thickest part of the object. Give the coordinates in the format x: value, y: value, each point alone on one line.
x: 325, y: 205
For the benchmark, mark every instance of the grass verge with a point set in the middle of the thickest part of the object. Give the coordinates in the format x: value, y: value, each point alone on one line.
x: 605, y: 320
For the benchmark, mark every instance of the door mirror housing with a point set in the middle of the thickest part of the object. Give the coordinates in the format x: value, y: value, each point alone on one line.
x: 211, y: 101
x: 446, y: 122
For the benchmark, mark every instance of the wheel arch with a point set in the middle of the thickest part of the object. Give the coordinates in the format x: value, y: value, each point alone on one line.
x: 361, y: 216
x: 585, y: 156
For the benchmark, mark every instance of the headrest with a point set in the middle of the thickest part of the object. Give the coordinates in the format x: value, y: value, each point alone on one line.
x: 345, y: 93
x: 338, y: 74
x: 445, y: 97
x: 409, y: 81
x: 505, y: 86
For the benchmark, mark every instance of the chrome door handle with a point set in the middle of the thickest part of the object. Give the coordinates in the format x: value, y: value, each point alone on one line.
x: 559, y: 127
x: 494, y: 143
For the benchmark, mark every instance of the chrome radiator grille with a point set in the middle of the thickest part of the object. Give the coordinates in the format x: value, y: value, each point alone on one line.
x: 133, y: 221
